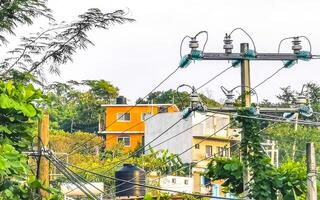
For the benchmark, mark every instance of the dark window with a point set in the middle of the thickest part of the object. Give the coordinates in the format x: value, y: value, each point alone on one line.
x: 163, y: 109
x: 144, y: 115
x: 197, y: 146
x: 123, y: 116
x: 208, y: 150
x: 186, y: 182
x: 124, y: 140
x: 174, y: 180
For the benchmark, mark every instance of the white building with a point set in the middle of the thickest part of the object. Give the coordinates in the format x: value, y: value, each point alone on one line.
x: 177, y: 183
x: 196, y: 127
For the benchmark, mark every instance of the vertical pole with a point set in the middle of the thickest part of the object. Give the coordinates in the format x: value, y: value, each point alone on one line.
x: 245, y: 77
x: 246, y: 102
x: 311, y: 172
x: 43, y: 141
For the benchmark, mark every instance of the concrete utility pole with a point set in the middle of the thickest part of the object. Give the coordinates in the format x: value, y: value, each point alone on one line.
x: 246, y: 102
x: 43, y: 141
x: 311, y: 172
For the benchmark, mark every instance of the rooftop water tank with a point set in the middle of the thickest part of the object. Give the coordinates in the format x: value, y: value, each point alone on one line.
x: 121, y: 100
x: 131, y: 174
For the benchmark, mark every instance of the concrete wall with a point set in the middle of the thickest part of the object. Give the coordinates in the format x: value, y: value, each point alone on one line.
x: 158, y: 124
x: 177, y: 183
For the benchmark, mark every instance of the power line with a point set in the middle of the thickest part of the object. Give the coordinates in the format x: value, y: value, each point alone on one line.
x: 216, y: 76
x: 72, y: 178
x: 269, y: 77
x: 142, y: 185
x: 157, y: 86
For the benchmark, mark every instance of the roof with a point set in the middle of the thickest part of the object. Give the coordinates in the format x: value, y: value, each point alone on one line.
x: 135, y: 105
x: 213, y: 138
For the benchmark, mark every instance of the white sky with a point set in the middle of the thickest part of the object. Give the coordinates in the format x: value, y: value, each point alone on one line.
x: 136, y: 57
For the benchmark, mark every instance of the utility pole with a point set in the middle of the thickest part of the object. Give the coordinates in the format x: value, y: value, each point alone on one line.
x: 43, y: 165
x: 246, y: 102
x: 311, y: 172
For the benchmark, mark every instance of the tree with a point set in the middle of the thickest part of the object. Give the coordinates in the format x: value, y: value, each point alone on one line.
x: 181, y: 99
x: 18, y: 112
x: 54, y: 46
x: 287, y: 95
x: 72, y: 109
x: 20, y: 102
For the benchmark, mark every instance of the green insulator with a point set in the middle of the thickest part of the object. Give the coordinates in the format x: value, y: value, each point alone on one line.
x: 184, y: 62
x: 196, y: 55
x: 186, y: 113
x: 289, y: 63
x: 236, y: 63
x: 250, y: 54
x: 304, y: 55
x: 306, y: 111
x: 253, y: 110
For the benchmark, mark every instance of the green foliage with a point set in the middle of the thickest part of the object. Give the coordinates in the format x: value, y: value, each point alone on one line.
x: 289, y: 179
x: 181, y: 99
x: 61, y: 141
x: 266, y: 180
x: 292, y: 143
x: 261, y: 186
x: 292, y: 179
x: 17, y: 113
x: 14, y: 12
x: 72, y: 109
x: 228, y: 169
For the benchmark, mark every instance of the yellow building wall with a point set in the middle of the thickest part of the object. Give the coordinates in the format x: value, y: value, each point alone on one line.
x: 199, y: 154
x: 133, y: 128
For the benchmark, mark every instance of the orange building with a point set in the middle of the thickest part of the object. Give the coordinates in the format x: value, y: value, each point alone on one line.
x: 125, y: 123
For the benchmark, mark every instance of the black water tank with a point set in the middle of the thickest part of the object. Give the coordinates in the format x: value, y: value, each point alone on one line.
x: 121, y: 100
x: 132, y: 174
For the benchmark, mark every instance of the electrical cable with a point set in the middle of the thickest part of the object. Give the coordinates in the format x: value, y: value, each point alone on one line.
x: 73, y: 179
x: 216, y: 76
x: 269, y: 77
x: 183, y: 167
x: 142, y: 185
x: 137, y: 103
x: 75, y: 174
x: 143, y: 147
x: 270, y: 119
x: 305, y: 37
x: 187, y: 36
x: 254, y: 45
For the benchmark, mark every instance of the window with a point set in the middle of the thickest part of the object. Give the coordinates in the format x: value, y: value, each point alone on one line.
x: 208, y: 150
x: 144, y: 115
x: 123, y: 117
x: 174, y: 180
x: 197, y: 146
x: 186, y: 182
x: 223, y: 152
x: 124, y: 140
x: 163, y: 109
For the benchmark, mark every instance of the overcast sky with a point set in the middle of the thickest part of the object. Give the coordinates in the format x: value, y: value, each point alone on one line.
x: 135, y: 57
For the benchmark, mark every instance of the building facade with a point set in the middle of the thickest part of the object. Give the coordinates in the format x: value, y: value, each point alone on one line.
x: 124, y: 123
x: 208, y: 134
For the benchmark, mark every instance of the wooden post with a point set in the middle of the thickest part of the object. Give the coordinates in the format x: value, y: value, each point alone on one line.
x: 311, y: 172
x: 43, y: 141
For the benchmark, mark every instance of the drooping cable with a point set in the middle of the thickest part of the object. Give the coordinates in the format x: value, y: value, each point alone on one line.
x: 146, y: 186
x: 131, y: 108
x: 72, y: 178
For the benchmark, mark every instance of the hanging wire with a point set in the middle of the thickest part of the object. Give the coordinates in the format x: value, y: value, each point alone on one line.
x: 131, y: 108
x: 216, y: 76
x: 269, y: 77
x: 287, y: 38
x: 143, y: 185
x: 254, y: 45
